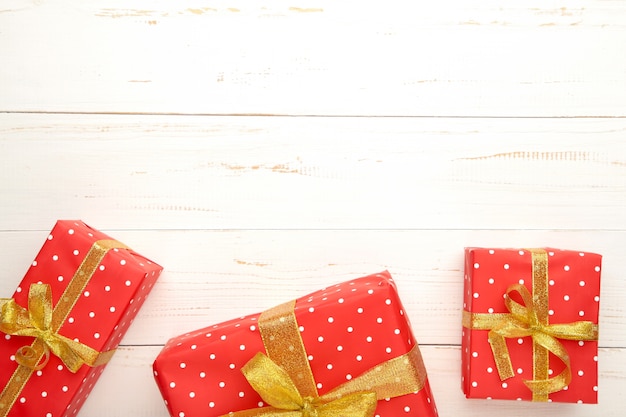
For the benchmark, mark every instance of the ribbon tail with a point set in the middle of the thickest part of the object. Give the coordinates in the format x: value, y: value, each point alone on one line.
x: 359, y: 404
x: 501, y: 355
x: 68, y: 356
x: 73, y: 354
x: 548, y: 386
x: 557, y: 383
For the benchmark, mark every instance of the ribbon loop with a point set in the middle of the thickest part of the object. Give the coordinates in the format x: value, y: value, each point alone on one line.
x: 40, y: 307
x: 272, y: 383
x: 36, y: 322
x: 277, y: 389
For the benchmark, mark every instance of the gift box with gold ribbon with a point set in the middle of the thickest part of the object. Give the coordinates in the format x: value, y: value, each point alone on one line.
x: 66, y: 319
x: 530, y: 324
x: 347, y: 350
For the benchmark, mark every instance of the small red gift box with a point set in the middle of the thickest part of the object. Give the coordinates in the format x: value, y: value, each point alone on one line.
x: 344, y: 348
x: 531, y: 324
x: 66, y: 318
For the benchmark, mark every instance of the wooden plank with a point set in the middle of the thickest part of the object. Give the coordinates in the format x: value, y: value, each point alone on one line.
x: 514, y: 138
x: 180, y: 172
x: 127, y: 388
x: 214, y: 276
x: 315, y: 57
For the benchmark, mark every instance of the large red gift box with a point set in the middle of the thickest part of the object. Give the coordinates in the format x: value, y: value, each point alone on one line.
x: 530, y: 324
x: 77, y: 299
x: 354, y: 333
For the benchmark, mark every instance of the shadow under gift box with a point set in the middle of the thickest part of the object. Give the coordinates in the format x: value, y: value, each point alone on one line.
x: 347, y: 332
x: 94, y: 287
x: 563, y: 290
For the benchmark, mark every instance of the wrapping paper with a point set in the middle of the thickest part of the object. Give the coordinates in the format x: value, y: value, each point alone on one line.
x: 570, y: 306
x: 116, y: 283
x: 346, y: 330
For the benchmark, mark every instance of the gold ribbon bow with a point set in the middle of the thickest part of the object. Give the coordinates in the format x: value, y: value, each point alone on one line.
x: 284, y: 379
x: 531, y: 319
x: 278, y: 390
x: 43, y: 322
x: 36, y: 322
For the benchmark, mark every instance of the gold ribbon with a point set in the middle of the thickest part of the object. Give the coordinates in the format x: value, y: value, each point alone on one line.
x: 43, y: 322
x: 531, y: 319
x: 36, y: 322
x: 277, y: 389
x: 284, y: 380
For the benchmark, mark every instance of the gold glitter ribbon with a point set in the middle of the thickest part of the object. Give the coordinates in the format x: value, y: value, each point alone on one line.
x: 36, y: 322
x: 531, y: 319
x: 284, y: 379
x: 43, y: 322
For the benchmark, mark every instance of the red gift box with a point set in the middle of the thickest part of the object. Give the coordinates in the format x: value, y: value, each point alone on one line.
x: 77, y: 299
x: 530, y: 324
x: 348, y: 337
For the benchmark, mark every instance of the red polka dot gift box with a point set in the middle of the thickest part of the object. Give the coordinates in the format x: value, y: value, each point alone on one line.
x: 347, y: 350
x: 530, y: 325
x: 66, y: 318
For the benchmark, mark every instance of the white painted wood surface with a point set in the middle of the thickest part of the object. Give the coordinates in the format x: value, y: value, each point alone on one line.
x: 262, y: 150
x: 403, y: 57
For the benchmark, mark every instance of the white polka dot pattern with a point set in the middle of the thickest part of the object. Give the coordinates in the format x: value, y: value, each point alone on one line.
x: 346, y: 329
x: 574, y: 294
x: 99, y: 318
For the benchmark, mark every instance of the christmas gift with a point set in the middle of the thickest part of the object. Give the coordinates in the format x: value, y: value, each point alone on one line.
x: 530, y: 324
x: 347, y: 350
x: 66, y: 318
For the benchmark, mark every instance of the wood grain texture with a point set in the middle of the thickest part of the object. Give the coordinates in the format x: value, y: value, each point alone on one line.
x: 176, y: 172
x: 315, y: 57
x: 262, y: 150
x: 214, y: 276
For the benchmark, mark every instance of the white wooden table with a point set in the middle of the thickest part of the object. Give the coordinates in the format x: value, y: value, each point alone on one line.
x: 260, y: 150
